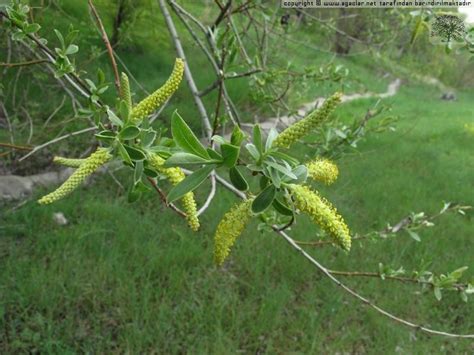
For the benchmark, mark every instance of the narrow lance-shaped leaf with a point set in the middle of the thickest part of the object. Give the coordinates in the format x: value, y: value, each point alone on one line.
x: 182, y: 158
x: 238, y: 179
x: 231, y: 154
x: 257, y: 138
x: 190, y: 183
x: 185, y: 138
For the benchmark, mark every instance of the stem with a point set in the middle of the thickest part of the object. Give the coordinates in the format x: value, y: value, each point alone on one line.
x: 14, y: 146
x: 105, y: 38
x: 31, y: 62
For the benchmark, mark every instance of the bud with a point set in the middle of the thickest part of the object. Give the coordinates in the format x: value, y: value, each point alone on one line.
x: 323, y: 214
x: 301, y: 128
x: 90, y: 165
x: 155, y: 100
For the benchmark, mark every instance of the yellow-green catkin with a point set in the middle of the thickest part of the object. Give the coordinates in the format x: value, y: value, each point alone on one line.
x: 152, y: 102
x: 323, y: 170
x: 70, y: 162
x: 301, y: 128
x: 229, y: 229
x: 90, y: 164
x: 175, y: 176
x: 323, y: 214
x: 125, y: 93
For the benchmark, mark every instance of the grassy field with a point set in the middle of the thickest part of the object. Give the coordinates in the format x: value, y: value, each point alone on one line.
x: 132, y: 277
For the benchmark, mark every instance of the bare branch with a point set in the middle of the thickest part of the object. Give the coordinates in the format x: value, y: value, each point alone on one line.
x: 105, y: 38
x: 55, y: 140
x: 361, y: 298
x: 457, y: 286
x: 163, y: 198
x: 31, y: 62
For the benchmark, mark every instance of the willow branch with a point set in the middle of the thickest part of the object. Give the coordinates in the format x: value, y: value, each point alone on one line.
x: 230, y: 107
x: 55, y: 140
x: 21, y: 64
x: 105, y: 38
x: 163, y: 198
x: 364, y: 300
x: 347, y: 289
x: 14, y: 146
x: 457, y: 286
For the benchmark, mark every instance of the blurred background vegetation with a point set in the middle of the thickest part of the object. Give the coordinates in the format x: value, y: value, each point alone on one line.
x: 125, y: 277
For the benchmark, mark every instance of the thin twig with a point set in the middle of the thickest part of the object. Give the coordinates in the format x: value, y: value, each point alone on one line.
x: 31, y: 62
x: 110, y: 50
x: 56, y: 110
x: 457, y: 286
x: 30, y: 121
x: 187, y: 72
x: 163, y: 198
x: 210, y: 197
x: 364, y: 300
x: 180, y: 12
x: 55, y: 140
x: 353, y: 293
x: 14, y: 146
x: 9, y: 124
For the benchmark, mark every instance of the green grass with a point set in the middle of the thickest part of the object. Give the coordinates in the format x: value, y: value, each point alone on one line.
x: 123, y: 277
x: 133, y: 278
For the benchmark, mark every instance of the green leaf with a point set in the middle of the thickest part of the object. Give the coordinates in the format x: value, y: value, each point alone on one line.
x: 231, y: 154
x: 264, y: 199
x: 129, y: 132
x: 134, y: 194
x: 437, y: 293
x: 150, y: 173
x: 134, y: 153
x: 136, y: 191
x: 124, y: 154
x: 32, y: 28
x: 414, y: 235
x: 238, y: 179
x: 264, y: 181
x: 253, y: 151
x: 114, y: 118
x: 147, y: 138
x: 185, y: 138
x: 214, y: 155
x: 218, y: 139
x: 105, y: 136
x: 282, y: 169
x: 456, y: 274
x: 190, y: 183
x: 301, y: 173
x: 182, y: 158
x: 257, y: 138
x: 71, y: 49
x: 281, y: 208
x: 274, y: 176
x: 272, y: 135
x: 60, y: 37
x: 237, y: 136
x: 137, y: 175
